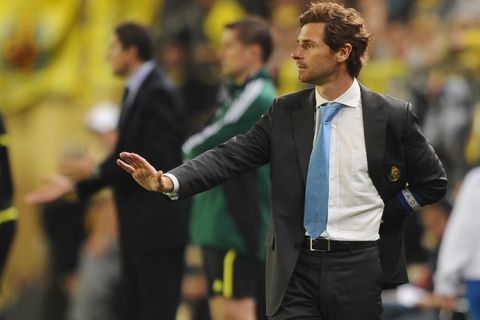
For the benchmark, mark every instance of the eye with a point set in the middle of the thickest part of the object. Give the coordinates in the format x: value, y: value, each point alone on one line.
x: 307, y: 46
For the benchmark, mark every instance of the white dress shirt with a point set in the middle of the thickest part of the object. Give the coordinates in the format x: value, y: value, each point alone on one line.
x: 459, y: 257
x: 354, y: 206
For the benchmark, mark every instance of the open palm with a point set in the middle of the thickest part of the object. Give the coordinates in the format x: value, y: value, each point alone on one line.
x: 142, y: 171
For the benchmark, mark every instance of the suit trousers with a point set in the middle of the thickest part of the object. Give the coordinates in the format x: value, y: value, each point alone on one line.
x: 7, y: 232
x: 342, y: 285
x: 150, y: 286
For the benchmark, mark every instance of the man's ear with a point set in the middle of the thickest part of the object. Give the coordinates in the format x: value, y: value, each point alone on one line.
x: 132, y: 52
x: 254, y: 52
x: 344, y: 52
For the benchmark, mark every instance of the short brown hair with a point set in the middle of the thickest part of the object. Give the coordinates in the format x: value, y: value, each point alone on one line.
x: 254, y: 30
x: 134, y: 34
x: 342, y: 25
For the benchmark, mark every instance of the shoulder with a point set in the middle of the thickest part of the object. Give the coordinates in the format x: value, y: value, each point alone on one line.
x: 298, y: 95
x: 394, y: 102
x: 293, y: 100
x: 158, y: 82
x: 261, y: 90
x: 398, y: 108
x: 383, y: 99
x: 159, y: 77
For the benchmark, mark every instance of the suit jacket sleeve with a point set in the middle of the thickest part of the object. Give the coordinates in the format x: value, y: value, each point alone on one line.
x: 226, y: 161
x: 425, y: 179
x: 154, y: 130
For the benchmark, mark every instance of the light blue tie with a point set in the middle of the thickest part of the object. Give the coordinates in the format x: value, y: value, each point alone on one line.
x: 316, y: 193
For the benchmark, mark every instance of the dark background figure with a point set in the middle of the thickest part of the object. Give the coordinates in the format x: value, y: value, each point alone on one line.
x: 230, y: 222
x: 63, y: 220
x: 8, y: 214
x: 153, y: 230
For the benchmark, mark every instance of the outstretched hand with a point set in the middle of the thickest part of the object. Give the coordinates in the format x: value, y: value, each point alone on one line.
x: 54, y: 187
x: 79, y: 168
x: 144, y: 173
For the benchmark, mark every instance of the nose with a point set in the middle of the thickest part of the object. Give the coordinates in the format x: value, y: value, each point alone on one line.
x: 296, y: 53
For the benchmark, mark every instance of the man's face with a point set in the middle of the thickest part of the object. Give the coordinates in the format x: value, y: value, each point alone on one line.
x: 316, y: 62
x: 118, y: 57
x: 234, y: 55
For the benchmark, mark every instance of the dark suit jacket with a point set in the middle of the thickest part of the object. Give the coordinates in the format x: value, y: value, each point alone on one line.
x: 149, y: 223
x: 283, y: 137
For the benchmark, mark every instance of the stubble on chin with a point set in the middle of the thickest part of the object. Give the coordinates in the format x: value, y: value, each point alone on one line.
x: 302, y: 77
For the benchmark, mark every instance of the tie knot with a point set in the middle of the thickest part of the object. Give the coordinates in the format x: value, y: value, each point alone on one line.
x: 329, y: 110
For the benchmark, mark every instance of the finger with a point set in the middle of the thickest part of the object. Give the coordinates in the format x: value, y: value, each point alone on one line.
x: 130, y: 159
x: 125, y: 166
x: 139, y: 162
x: 126, y: 157
x: 35, y: 198
x: 136, y: 160
x: 48, y: 180
x: 31, y: 198
x: 123, y: 155
x: 67, y: 169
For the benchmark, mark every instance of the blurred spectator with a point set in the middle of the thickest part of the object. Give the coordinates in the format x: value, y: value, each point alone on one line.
x: 448, y: 119
x: 189, y: 57
x: 472, y: 149
x: 95, y: 294
x: 63, y: 221
x: 52, y: 67
x: 459, y: 258
x: 153, y: 230
x: 230, y: 222
x: 415, y: 300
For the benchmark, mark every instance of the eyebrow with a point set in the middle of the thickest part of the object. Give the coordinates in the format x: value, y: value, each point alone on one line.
x: 305, y: 41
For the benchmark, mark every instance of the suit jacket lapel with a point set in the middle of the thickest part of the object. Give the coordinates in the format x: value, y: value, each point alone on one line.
x: 303, y: 129
x: 374, y: 125
x: 130, y: 109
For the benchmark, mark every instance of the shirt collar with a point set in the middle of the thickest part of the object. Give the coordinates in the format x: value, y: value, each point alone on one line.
x: 136, y: 79
x: 259, y: 74
x: 350, y: 98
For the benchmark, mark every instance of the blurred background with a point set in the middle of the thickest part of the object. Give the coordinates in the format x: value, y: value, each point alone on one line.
x: 53, y: 71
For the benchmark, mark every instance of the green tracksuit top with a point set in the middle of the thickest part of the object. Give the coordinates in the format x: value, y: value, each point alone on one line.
x: 236, y: 214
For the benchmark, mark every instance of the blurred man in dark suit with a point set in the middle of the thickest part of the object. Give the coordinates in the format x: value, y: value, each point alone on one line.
x: 153, y: 230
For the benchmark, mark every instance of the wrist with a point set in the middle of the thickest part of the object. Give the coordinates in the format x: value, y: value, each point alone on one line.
x: 167, y: 184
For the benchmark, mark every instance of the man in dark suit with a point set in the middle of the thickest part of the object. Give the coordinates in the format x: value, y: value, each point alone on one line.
x: 381, y: 169
x: 153, y: 230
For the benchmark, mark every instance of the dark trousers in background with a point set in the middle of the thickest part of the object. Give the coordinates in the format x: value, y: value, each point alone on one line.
x: 7, y: 231
x: 151, y: 285
x: 342, y: 285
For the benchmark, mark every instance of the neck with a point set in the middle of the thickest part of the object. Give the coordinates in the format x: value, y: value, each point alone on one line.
x: 134, y: 67
x: 243, y: 77
x: 334, y: 89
